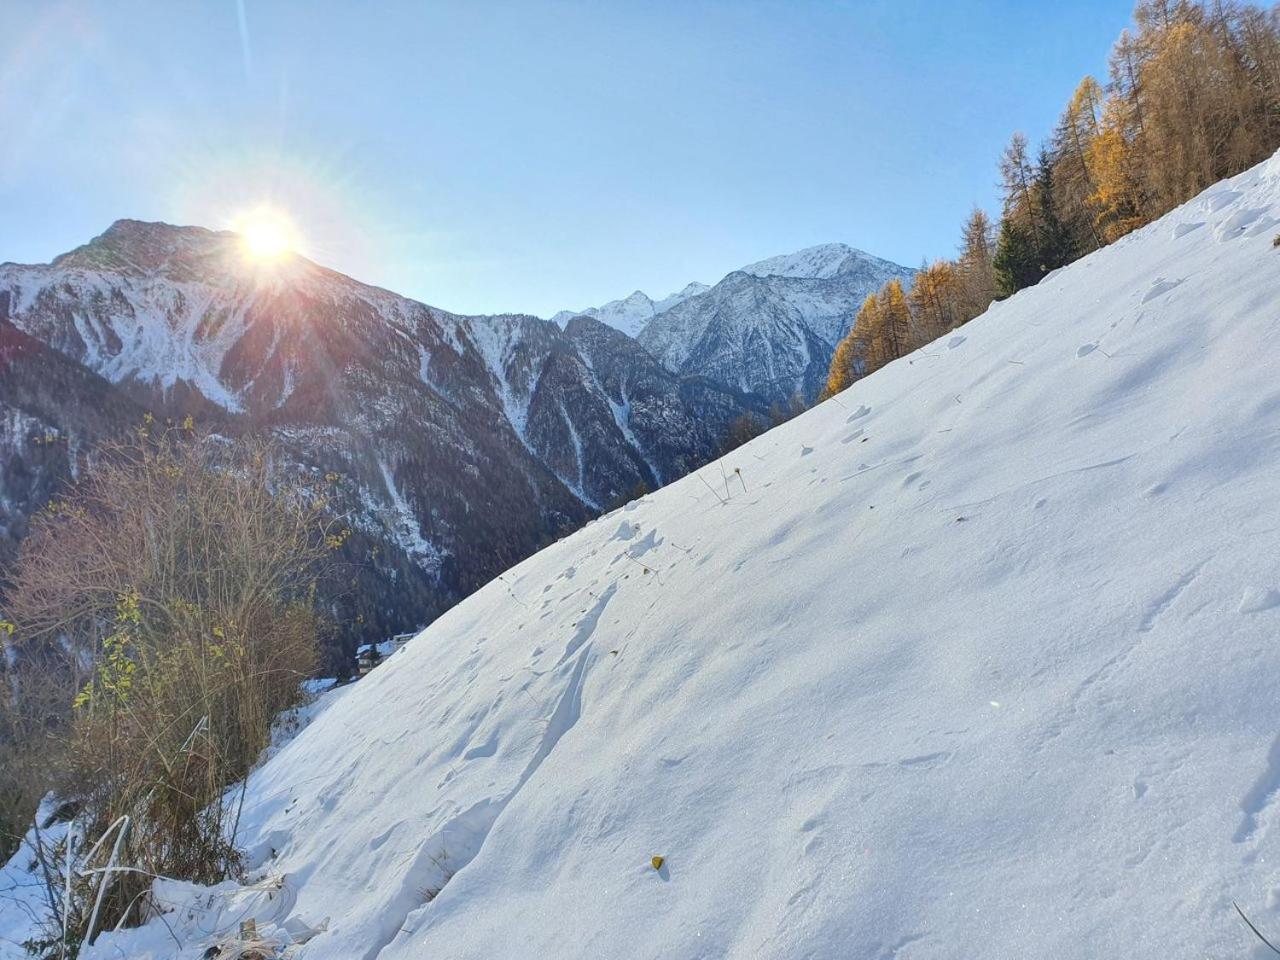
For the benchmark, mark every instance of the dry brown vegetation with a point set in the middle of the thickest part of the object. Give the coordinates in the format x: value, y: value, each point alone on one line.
x: 162, y: 614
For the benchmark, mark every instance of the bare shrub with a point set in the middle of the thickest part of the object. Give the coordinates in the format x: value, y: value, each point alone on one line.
x: 171, y: 600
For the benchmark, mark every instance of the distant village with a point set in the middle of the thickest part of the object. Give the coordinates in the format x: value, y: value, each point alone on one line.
x: 369, y: 655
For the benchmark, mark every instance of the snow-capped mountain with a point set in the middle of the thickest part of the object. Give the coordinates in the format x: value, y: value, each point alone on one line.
x: 461, y: 443
x: 976, y: 659
x: 632, y: 313
x: 771, y: 327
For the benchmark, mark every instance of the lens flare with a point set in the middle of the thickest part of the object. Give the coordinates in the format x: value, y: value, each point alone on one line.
x: 266, y: 234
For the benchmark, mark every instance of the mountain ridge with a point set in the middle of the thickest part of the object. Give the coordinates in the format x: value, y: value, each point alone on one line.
x: 462, y: 443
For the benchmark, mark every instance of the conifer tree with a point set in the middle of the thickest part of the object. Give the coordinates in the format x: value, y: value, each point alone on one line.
x: 1016, y: 263
x: 1054, y: 249
x: 976, y: 272
x: 898, y: 333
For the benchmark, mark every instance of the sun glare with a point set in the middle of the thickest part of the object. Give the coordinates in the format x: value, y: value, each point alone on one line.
x: 266, y: 234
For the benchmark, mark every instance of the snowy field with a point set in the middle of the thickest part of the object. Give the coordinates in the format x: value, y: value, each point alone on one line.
x: 979, y: 659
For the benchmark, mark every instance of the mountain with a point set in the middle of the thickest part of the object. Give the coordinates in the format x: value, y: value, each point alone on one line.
x: 977, y: 658
x: 771, y: 327
x: 632, y: 313
x: 459, y: 444
x: 52, y: 412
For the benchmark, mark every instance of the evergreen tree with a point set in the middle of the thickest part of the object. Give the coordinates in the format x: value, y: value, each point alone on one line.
x: 1055, y: 249
x: 1016, y: 263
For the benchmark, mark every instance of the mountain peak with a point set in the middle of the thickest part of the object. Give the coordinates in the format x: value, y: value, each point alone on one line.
x: 139, y: 247
x: 820, y: 262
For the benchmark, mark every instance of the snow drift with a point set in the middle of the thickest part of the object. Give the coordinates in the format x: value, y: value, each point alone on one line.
x: 978, y: 659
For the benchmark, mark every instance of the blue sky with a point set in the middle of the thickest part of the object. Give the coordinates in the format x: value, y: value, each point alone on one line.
x: 530, y: 156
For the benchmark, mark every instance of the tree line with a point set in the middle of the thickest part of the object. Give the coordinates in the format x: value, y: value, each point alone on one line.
x: 1192, y: 96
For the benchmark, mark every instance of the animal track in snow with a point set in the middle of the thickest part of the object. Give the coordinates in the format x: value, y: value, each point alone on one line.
x: 862, y: 411
x: 1159, y: 287
x: 1086, y: 349
x: 1256, y: 600
x: 926, y: 761
x: 1167, y: 599
x: 649, y: 541
x: 956, y: 341
x: 1256, y: 799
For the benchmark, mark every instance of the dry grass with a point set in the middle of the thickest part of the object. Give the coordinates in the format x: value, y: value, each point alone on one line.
x: 163, y: 614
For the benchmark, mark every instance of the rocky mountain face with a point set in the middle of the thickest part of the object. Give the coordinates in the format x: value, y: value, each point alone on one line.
x: 769, y: 328
x: 52, y: 412
x: 631, y: 313
x: 456, y: 445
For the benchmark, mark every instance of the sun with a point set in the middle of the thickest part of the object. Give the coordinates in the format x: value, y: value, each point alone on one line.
x: 266, y: 234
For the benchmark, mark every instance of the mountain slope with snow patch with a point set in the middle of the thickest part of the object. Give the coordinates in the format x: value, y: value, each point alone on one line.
x: 978, y: 658
x: 630, y: 314
x: 771, y: 327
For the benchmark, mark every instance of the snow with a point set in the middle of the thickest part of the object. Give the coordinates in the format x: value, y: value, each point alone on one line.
x: 632, y: 313
x: 497, y: 339
x: 820, y: 262
x: 408, y: 531
x: 622, y: 417
x: 976, y: 659
x: 771, y: 327
x: 23, y: 896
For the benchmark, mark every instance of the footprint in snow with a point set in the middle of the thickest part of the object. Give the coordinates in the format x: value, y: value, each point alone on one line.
x: 926, y: 761
x: 1256, y: 600
x: 1086, y: 349
x: 1159, y: 287
x: 805, y: 451
x: 862, y: 411
x: 955, y: 342
x: 1239, y: 222
x: 1216, y: 201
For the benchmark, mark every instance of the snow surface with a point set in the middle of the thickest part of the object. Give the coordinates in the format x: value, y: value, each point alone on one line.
x: 977, y: 659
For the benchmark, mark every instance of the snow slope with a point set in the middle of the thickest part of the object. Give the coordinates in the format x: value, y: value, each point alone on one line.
x: 978, y: 659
